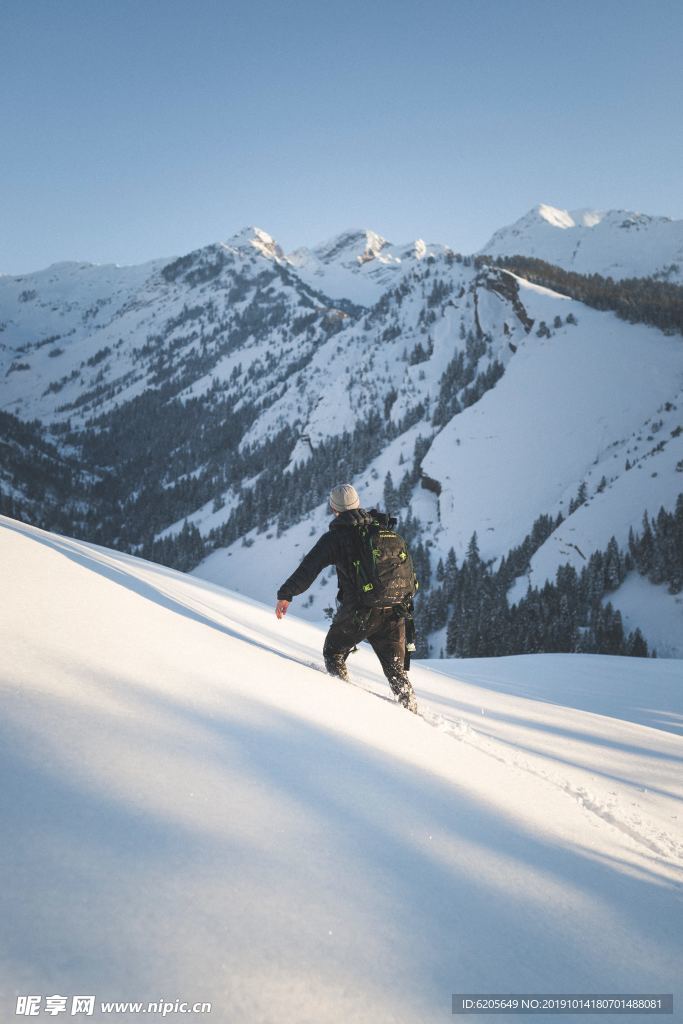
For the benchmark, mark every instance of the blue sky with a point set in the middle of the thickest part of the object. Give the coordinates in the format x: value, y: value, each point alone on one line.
x: 132, y: 130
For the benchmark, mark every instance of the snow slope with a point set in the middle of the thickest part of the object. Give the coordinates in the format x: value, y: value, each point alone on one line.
x: 614, y: 243
x: 192, y: 810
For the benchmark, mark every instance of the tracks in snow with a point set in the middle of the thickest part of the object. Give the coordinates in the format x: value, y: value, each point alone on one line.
x: 646, y: 834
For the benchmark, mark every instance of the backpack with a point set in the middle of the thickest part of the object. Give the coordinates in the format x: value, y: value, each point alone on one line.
x: 381, y: 567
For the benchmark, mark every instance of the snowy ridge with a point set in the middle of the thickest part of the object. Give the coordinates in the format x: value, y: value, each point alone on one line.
x: 171, y: 746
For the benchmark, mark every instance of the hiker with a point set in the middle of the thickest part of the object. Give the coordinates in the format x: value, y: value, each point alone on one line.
x: 376, y: 583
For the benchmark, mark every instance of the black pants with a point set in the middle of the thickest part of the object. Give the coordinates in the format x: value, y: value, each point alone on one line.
x: 384, y: 631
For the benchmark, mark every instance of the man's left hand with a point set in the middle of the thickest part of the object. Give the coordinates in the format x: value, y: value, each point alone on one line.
x: 281, y: 609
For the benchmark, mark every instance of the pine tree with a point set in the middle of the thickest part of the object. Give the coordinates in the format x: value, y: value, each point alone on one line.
x: 636, y: 645
x: 614, y: 574
x: 473, y: 558
x: 645, y: 548
x: 390, y: 498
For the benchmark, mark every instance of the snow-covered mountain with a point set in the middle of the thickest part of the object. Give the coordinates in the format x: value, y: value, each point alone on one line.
x: 193, y: 812
x: 614, y: 243
x: 73, y: 327
x: 203, y: 406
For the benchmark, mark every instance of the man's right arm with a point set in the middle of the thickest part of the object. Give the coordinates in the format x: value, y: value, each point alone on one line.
x: 321, y: 555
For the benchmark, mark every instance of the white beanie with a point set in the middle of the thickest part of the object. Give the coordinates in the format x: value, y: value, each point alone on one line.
x: 344, y: 497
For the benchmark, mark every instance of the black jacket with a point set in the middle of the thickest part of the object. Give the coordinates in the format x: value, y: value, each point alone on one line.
x: 336, y: 547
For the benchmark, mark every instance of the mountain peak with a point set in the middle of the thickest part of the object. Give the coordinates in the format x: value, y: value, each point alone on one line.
x: 552, y: 215
x: 614, y: 243
x: 358, y: 245
x: 586, y: 217
x: 563, y: 219
x: 250, y: 238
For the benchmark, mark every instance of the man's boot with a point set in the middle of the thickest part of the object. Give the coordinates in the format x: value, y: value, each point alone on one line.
x: 336, y: 666
x: 404, y: 693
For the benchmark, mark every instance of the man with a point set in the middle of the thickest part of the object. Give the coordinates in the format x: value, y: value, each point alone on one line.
x: 383, y: 626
